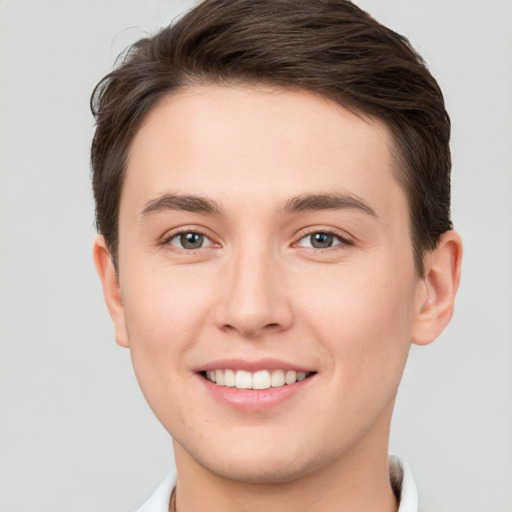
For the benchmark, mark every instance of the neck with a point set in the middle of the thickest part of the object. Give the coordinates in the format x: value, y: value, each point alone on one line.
x: 357, y: 481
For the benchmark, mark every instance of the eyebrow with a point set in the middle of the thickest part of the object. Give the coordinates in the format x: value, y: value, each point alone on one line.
x: 302, y: 203
x: 336, y: 201
x: 188, y: 203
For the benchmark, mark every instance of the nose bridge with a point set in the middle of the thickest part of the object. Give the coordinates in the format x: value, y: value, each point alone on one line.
x: 252, y: 299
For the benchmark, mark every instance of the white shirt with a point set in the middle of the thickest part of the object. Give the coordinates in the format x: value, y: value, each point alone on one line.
x: 399, y: 470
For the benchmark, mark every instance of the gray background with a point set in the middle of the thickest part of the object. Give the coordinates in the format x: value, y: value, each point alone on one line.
x: 75, y: 432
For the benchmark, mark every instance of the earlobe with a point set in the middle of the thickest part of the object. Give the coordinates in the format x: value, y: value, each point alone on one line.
x: 441, y: 281
x: 111, y: 291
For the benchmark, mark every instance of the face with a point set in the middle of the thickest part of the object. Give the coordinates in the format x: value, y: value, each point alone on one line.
x: 264, y: 244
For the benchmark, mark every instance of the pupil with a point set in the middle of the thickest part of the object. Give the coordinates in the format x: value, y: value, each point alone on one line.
x: 191, y: 240
x: 321, y: 240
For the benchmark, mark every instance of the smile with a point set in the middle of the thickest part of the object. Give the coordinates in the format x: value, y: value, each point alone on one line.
x: 261, y: 379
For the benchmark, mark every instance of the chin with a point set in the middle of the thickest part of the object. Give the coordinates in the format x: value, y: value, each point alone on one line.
x: 261, y: 464
x: 252, y: 471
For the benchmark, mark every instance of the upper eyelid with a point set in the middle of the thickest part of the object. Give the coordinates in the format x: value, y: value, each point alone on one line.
x: 166, y: 242
x: 342, y: 235
x: 180, y: 233
x: 340, y: 241
x: 172, y: 233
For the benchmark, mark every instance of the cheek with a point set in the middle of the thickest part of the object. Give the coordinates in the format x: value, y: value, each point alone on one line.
x: 362, y: 318
x: 163, y: 308
x: 163, y: 316
x: 362, y: 325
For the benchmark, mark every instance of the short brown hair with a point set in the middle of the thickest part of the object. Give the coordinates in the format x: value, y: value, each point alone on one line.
x: 329, y: 47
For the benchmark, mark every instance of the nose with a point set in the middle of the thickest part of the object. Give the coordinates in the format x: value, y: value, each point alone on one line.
x: 253, y: 298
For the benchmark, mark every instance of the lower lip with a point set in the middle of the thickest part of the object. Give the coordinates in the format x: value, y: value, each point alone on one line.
x: 255, y: 399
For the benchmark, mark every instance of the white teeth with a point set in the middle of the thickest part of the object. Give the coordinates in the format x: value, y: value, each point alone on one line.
x: 277, y: 378
x: 243, y: 380
x: 229, y: 378
x: 262, y: 379
x: 290, y: 377
x: 219, y: 377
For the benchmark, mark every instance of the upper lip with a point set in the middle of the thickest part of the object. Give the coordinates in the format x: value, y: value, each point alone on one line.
x: 252, y: 366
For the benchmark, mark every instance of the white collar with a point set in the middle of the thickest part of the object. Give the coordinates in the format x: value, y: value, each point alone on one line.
x: 401, y: 473
x: 159, y: 501
x: 403, y: 481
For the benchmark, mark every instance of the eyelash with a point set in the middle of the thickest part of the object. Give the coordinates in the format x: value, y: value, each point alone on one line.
x: 167, y: 240
x: 342, y: 240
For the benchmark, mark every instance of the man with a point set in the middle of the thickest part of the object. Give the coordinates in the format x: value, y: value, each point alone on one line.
x: 272, y: 190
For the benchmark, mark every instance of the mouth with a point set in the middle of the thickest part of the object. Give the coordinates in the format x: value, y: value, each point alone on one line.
x: 258, y: 380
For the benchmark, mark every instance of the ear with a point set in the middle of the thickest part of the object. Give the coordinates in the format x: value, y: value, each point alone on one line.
x: 441, y: 281
x: 111, y: 291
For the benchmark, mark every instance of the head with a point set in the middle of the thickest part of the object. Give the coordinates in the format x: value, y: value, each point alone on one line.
x: 332, y: 49
x: 272, y: 190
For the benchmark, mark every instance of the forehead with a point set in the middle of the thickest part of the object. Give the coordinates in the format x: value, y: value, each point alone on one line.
x: 242, y: 143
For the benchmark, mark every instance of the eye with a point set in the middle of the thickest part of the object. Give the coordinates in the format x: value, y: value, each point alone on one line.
x: 322, y: 240
x: 189, y: 241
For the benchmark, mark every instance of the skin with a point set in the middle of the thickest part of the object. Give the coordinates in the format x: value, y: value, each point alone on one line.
x: 257, y: 289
